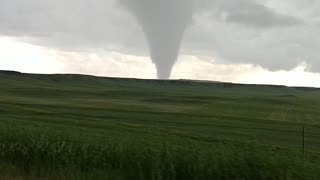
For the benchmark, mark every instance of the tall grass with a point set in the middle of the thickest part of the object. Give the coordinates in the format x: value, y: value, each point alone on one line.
x: 82, y: 127
x: 63, y: 156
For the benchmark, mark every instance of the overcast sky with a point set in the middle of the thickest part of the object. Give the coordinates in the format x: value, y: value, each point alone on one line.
x: 247, y: 41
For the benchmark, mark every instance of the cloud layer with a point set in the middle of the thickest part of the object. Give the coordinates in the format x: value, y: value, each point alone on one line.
x: 270, y: 33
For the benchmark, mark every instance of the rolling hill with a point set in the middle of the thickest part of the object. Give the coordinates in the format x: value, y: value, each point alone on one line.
x: 66, y: 126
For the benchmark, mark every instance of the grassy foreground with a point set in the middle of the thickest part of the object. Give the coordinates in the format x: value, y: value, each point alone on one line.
x: 84, y: 127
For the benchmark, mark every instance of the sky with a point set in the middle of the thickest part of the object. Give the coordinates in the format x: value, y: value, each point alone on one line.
x: 241, y: 41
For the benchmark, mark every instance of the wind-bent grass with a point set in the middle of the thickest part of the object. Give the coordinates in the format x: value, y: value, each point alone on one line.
x: 82, y: 127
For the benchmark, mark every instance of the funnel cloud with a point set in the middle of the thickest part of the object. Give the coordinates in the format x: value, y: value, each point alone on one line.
x: 163, y: 23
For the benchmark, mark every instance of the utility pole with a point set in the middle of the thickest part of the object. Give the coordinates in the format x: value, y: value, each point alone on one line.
x: 303, y: 139
x: 303, y: 143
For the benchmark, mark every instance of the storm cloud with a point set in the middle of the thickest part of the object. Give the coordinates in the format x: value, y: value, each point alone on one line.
x: 268, y: 33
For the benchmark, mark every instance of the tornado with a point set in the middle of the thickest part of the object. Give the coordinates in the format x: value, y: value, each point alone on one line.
x: 164, y: 23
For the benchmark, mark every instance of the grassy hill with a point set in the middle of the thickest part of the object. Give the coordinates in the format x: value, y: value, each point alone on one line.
x: 86, y: 127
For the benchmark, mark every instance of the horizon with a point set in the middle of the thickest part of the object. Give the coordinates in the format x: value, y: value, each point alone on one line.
x: 156, y: 79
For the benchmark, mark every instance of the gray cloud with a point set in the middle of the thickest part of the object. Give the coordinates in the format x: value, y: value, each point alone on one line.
x: 67, y: 24
x: 246, y: 12
x: 274, y: 34
x: 254, y: 14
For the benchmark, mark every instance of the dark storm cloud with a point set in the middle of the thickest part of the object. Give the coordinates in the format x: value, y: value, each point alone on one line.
x: 250, y: 31
x: 246, y: 12
x: 238, y: 31
x: 254, y: 14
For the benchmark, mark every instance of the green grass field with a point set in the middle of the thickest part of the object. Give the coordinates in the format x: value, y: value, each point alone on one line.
x: 84, y: 127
